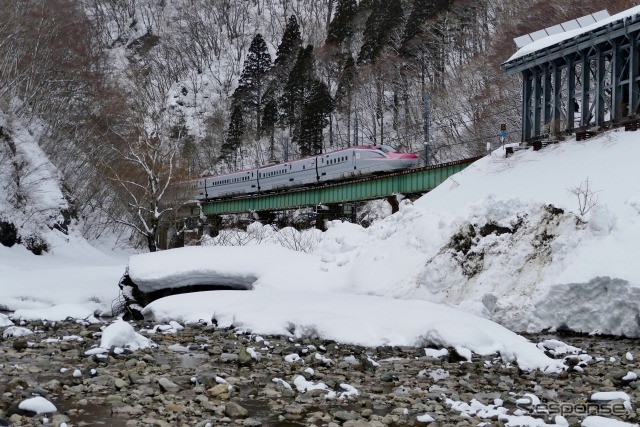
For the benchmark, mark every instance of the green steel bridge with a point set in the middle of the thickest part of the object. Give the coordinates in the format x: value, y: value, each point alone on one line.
x: 414, y: 181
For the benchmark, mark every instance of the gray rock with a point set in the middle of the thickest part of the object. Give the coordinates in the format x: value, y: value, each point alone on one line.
x: 228, y: 357
x: 234, y: 410
x: 20, y: 344
x: 167, y: 385
x: 244, y: 358
x: 345, y: 415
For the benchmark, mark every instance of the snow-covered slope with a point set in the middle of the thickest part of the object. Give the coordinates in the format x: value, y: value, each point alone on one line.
x: 505, y: 239
x: 31, y: 200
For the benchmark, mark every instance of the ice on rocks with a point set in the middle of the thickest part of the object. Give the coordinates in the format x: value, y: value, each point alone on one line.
x: 16, y: 332
x: 37, y: 404
x: 121, y: 334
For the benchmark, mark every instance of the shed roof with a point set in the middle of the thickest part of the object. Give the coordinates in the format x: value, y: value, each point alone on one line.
x: 541, y: 47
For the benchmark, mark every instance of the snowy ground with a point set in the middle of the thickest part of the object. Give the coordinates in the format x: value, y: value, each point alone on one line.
x: 485, y: 241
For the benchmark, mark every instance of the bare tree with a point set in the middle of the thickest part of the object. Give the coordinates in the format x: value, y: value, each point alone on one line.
x: 143, y: 167
x: 587, y: 197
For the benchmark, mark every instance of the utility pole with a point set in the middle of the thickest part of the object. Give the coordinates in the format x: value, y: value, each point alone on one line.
x: 355, y: 130
x: 286, y: 146
x: 425, y: 118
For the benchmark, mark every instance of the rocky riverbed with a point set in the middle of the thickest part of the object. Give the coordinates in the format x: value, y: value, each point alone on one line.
x: 205, y: 376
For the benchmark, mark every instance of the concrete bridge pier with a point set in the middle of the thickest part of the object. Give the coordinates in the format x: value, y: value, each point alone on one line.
x: 393, y: 201
x: 266, y: 217
x: 213, y: 225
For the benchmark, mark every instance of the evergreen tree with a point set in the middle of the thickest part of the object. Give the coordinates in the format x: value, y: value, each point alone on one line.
x: 269, y: 120
x: 421, y: 12
x: 385, y: 18
x: 291, y: 41
x: 253, y: 79
x: 346, y: 81
x: 297, y: 88
x: 315, y: 116
x: 343, y: 99
x: 235, y: 134
x: 341, y: 27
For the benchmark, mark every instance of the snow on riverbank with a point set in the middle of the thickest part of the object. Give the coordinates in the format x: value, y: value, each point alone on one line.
x: 504, y: 240
x: 356, y: 319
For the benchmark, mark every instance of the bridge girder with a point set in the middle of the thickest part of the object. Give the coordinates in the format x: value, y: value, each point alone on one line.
x: 375, y: 187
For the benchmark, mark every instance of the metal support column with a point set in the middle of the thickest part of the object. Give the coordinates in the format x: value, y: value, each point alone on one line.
x: 633, y: 74
x: 526, y: 105
x: 571, y: 94
x: 584, y: 75
x: 537, y: 107
x: 599, y: 88
x: 616, y: 86
x: 556, y: 113
x: 546, y: 88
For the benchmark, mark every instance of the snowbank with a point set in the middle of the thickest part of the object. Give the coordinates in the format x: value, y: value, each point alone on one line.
x: 363, y: 320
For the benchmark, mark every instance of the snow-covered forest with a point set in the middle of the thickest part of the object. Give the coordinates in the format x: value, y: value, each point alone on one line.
x: 125, y: 97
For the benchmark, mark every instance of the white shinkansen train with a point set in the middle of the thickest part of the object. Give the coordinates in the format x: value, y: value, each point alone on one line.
x: 330, y: 167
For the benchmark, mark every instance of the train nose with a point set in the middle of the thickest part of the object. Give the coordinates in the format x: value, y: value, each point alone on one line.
x: 409, y: 160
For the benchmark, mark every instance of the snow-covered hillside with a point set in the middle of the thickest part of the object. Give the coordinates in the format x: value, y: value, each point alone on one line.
x: 31, y: 199
x: 504, y: 239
